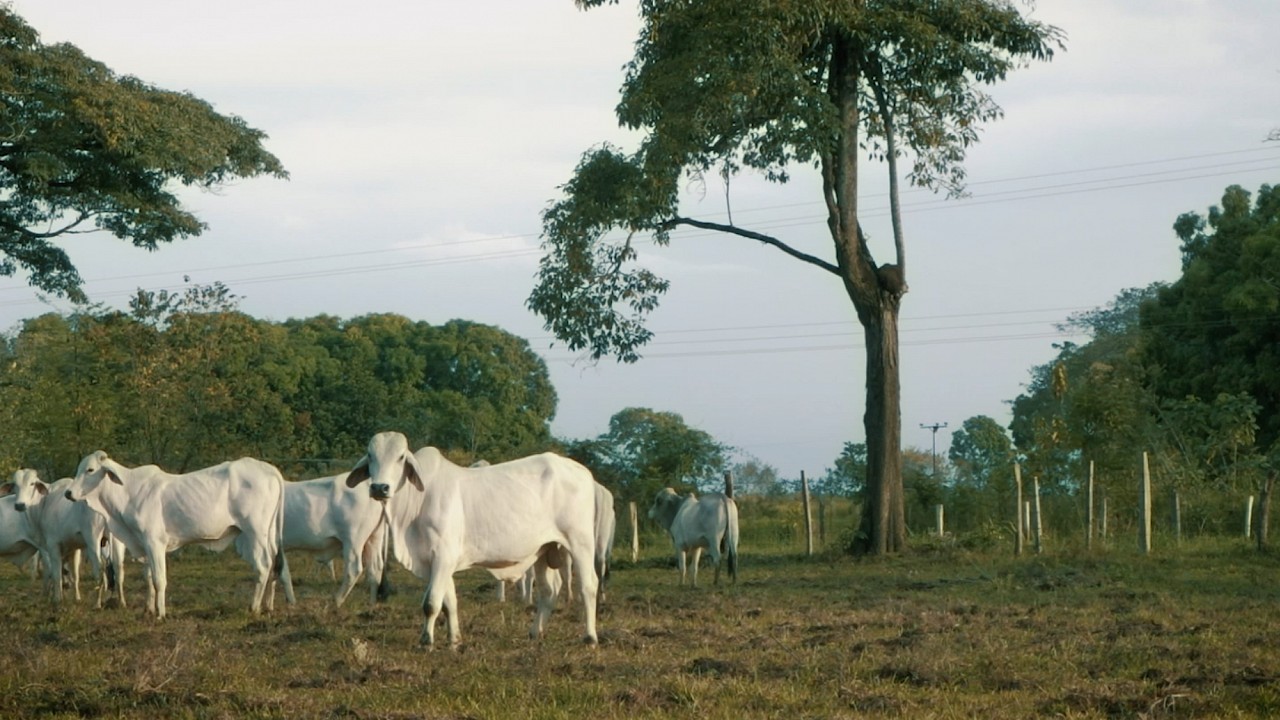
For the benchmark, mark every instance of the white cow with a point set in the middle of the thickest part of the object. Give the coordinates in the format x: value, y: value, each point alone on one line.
x: 154, y: 512
x: 325, y: 517
x: 605, y: 528
x: 709, y: 522
x: 531, y: 512
x: 62, y: 530
x: 17, y: 539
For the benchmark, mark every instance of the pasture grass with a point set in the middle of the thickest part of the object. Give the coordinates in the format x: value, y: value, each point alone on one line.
x: 936, y: 633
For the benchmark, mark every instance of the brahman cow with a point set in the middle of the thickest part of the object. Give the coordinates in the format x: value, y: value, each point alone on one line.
x: 531, y: 512
x: 63, y: 529
x: 605, y: 528
x: 154, y: 512
x: 325, y: 517
x: 695, y: 523
x: 17, y: 539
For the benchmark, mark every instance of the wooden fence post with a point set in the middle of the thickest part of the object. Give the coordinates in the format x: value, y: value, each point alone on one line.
x: 1144, y: 508
x: 1177, y: 517
x: 728, y: 483
x: 1088, y: 522
x: 635, y: 531
x: 1038, y: 527
x: 1017, y: 481
x: 1248, y: 517
x: 938, y: 520
x: 1102, y: 520
x: 808, y: 518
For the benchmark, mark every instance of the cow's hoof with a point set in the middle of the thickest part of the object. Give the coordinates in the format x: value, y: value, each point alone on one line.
x: 591, y: 640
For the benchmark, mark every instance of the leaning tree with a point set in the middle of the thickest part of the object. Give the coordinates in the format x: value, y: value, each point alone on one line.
x: 85, y: 149
x: 775, y: 87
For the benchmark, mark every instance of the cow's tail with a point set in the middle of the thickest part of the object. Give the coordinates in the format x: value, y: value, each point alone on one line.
x: 280, y: 565
x: 729, y: 543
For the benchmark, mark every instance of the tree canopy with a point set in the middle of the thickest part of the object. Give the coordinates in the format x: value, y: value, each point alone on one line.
x: 83, y: 149
x: 1213, y: 332
x: 186, y: 380
x: 723, y: 86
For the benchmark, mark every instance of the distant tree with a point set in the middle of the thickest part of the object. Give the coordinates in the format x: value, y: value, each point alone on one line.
x: 755, y: 477
x: 722, y: 86
x: 82, y: 148
x: 982, y: 457
x: 848, y: 474
x: 649, y: 450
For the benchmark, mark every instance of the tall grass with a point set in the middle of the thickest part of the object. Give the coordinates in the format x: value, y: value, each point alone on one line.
x: 938, y: 632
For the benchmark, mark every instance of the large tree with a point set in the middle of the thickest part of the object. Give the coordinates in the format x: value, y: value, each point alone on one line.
x: 724, y: 85
x: 1211, y: 337
x: 82, y: 149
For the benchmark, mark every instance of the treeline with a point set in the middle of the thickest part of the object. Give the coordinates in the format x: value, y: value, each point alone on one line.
x: 1187, y: 371
x: 185, y: 380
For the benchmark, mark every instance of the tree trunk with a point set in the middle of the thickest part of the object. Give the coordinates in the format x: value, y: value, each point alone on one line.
x: 884, y: 527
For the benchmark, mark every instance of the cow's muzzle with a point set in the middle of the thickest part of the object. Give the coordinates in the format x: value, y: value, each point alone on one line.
x: 20, y: 507
x: 70, y: 497
x: 380, y: 491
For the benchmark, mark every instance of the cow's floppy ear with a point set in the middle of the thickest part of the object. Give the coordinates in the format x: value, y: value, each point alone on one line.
x: 112, y: 476
x: 6, y: 489
x: 42, y: 488
x: 359, y: 473
x: 412, y: 473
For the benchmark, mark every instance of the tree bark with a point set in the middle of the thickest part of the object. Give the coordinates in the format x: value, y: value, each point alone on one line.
x: 884, y: 514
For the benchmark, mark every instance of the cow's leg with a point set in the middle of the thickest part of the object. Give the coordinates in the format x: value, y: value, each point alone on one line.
x: 546, y: 584
x: 713, y: 550
x: 52, y: 575
x: 680, y: 563
x: 286, y: 580
x: 157, y: 581
x: 588, y: 586
x: 75, y: 574
x: 432, y: 602
x: 94, y: 550
x: 566, y: 578
x: 697, y: 557
x: 375, y: 563
x: 451, y: 612
x: 117, y: 563
x: 352, y: 567
x: 261, y: 556
x: 525, y: 584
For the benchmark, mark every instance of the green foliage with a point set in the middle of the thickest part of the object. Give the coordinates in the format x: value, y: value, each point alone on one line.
x: 84, y: 148
x: 185, y: 381
x: 848, y: 476
x: 1213, y: 332
x: 645, y: 451
x: 1089, y: 404
x: 982, y: 457
x: 723, y: 86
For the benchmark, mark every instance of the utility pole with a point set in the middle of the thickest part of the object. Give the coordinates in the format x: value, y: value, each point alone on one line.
x: 935, y: 428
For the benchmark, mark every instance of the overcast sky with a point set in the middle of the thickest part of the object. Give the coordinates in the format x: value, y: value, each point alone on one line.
x: 424, y: 138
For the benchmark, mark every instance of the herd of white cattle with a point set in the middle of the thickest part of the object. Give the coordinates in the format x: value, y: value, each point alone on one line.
x: 541, y: 520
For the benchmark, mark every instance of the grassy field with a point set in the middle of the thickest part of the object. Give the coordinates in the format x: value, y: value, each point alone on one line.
x: 940, y: 633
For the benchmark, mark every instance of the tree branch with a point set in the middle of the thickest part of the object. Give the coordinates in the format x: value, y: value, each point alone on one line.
x: 767, y: 240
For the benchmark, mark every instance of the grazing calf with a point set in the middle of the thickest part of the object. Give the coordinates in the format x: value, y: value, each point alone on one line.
x: 154, y: 512
x: 63, y: 529
x: 506, y: 518
x: 709, y: 522
x: 325, y: 517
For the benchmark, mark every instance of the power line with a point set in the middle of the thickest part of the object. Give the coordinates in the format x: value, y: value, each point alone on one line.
x: 781, y: 223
